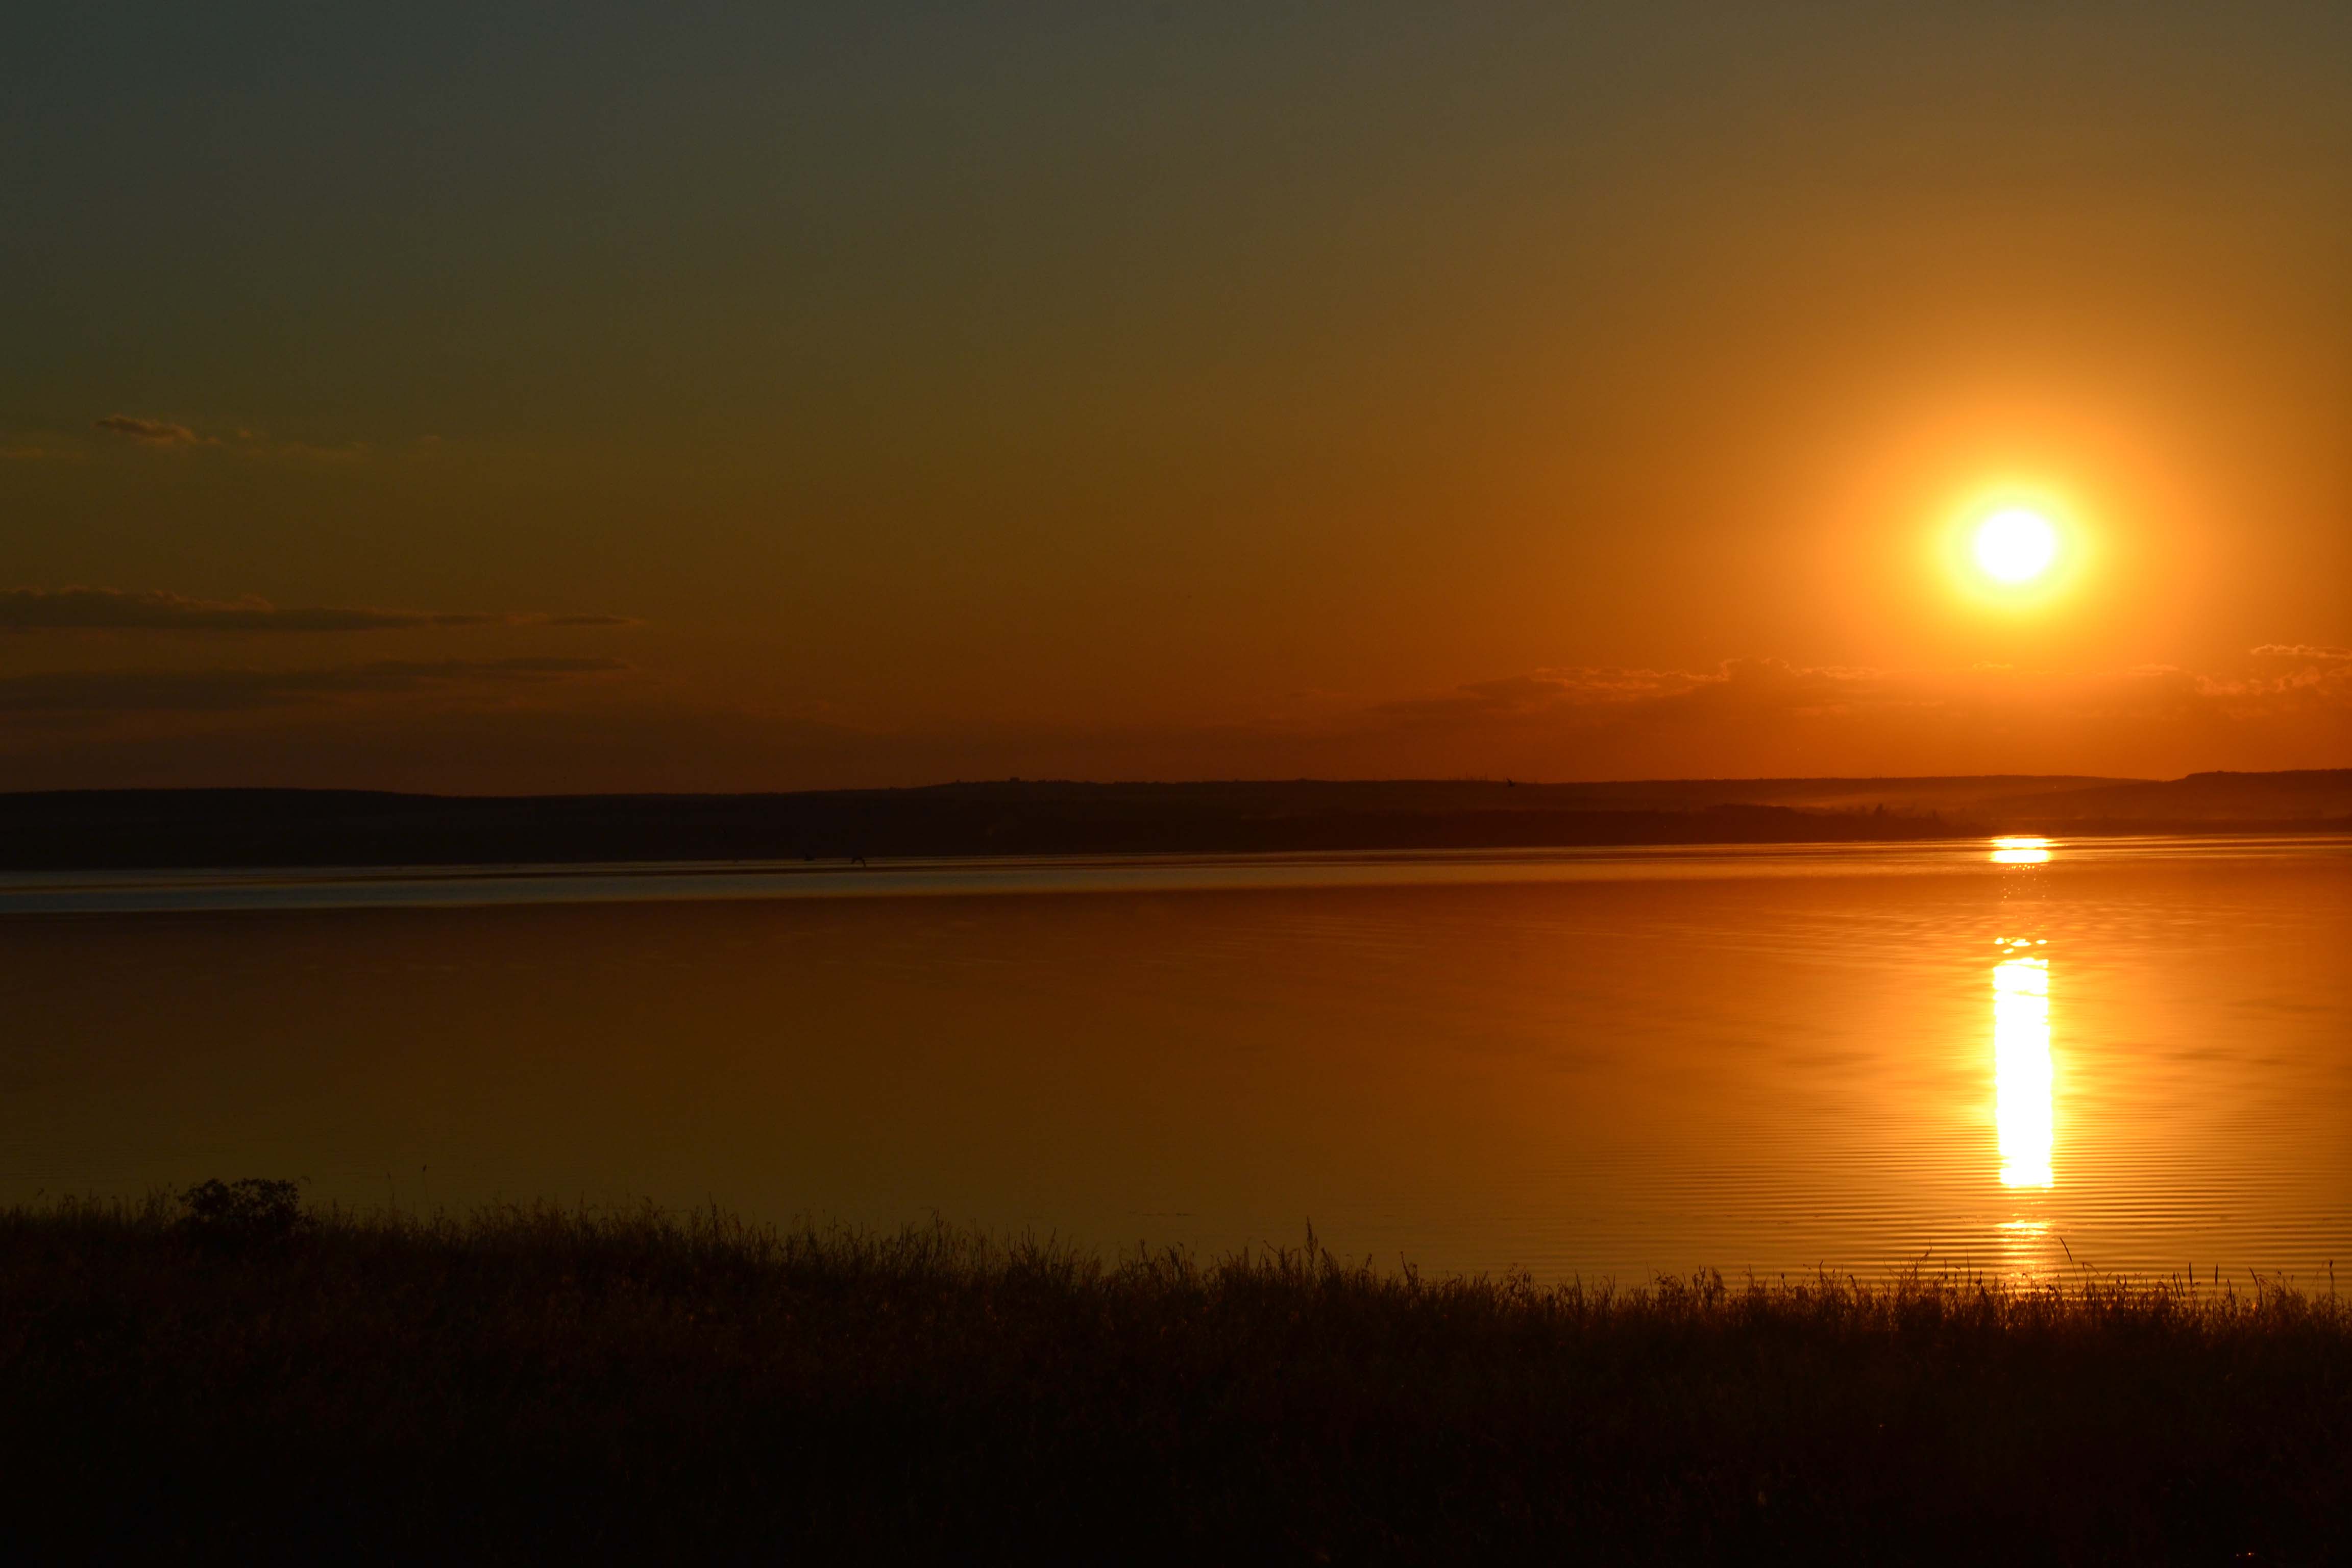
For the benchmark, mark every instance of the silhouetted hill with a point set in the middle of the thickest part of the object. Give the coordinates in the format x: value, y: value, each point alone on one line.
x: 127, y: 828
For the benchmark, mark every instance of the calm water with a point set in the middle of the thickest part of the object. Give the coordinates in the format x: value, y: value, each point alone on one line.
x: 2136, y: 1055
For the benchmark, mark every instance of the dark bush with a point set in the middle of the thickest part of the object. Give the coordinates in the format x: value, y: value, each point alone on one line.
x: 252, y: 1211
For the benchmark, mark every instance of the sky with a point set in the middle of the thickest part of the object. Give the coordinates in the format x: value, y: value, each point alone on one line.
x: 510, y: 398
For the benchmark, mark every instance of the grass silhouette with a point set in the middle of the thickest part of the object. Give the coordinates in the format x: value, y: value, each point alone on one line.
x: 223, y: 1376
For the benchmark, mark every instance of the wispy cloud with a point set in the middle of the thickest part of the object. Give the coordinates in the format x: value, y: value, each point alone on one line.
x: 2282, y: 706
x: 570, y: 724
x: 2286, y: 679
x: 115, y: 609
x: 166, y: 434
x: 152, y: 432
x: 2303, y: 653
x: 104, y: 692
x: 1774, y: 689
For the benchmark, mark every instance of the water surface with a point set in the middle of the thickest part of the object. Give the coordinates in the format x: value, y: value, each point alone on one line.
x: 2130, y: 1056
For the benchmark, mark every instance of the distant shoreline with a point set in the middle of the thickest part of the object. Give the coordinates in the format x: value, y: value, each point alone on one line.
x: 167, y: 829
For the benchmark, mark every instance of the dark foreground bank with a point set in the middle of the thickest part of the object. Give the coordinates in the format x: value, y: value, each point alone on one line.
x: 532, y: 1384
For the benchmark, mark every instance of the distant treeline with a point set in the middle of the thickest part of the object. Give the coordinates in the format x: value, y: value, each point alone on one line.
x: 140, y: 828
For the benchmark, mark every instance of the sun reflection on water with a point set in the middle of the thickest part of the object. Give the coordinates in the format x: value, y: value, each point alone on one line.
x: 2021, y: 851
x: 2021, y: 1066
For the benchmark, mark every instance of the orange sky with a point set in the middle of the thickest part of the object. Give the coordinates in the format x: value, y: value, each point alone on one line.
x: 684, y: 398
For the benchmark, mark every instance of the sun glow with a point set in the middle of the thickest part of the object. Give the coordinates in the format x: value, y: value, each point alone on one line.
x: 2016, y: 547
x: 2016, y: 544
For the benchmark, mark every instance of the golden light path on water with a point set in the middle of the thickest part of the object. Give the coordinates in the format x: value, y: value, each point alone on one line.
x: 2021, y: 851
x: 2024, y: 1087
x: 2022, y: 1067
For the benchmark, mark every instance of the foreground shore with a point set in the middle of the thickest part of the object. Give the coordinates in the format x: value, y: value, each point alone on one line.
x: 239, y: 1379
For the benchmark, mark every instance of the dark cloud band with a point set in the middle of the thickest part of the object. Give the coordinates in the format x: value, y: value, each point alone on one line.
x: 97, y: 692
x: 114, y: 609
x: 151, y: 432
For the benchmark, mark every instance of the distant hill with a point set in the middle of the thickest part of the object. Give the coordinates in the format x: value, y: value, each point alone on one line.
x: 165, y: 828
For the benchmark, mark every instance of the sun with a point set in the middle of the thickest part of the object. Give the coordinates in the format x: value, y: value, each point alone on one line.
x: 2016, y: 544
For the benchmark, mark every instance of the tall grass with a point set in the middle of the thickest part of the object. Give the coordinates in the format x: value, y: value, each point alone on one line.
x: 526, y: 1382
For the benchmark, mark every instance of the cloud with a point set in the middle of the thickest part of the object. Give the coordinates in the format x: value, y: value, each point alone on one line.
x: 2289, y: 678
x: 114, y: 609
x: 255, y: 444
x: 1544, y: 692
x: 565, y: 725
x: 90, y: 693
x: 2303, y: 653
x: 2287, y: 707
x: 1774, y: 689
x: 152, y: 432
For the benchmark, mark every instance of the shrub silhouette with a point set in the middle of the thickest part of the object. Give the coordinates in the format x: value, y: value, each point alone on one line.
x: 252, y: 1210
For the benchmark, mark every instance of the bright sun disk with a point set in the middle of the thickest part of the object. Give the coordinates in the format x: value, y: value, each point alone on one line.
x: 2015, y: 545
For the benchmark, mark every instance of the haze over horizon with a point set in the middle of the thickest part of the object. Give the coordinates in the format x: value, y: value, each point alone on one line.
x: 502, y: 398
